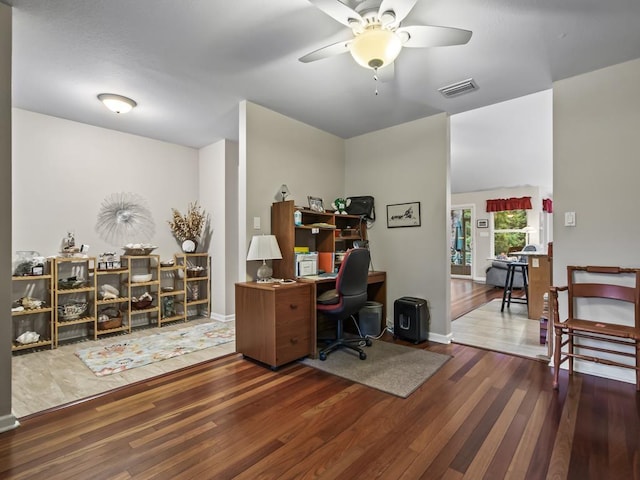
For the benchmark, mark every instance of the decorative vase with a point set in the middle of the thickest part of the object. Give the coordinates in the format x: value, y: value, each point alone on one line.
x: 189, y: 246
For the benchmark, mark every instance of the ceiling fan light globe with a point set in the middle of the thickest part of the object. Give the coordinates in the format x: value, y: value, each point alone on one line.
x: 375, y: 48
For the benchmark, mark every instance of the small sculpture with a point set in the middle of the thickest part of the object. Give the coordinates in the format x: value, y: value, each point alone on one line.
x: 340, y: 205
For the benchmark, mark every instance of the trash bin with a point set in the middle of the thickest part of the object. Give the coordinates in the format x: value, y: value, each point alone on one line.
x: 370, y: 319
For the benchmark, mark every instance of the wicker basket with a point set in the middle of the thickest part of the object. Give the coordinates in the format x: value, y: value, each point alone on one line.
x: 196, y: 272
x: 72, y: 311
x: 132, y: 252
x: 141, y: 304
x: 111, y: 323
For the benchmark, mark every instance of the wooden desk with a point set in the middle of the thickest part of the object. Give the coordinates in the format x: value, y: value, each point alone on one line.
x: 277, y: 324
x: 376, y: 291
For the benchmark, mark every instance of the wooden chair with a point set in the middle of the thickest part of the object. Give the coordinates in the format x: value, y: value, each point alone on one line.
x: 626, y: 336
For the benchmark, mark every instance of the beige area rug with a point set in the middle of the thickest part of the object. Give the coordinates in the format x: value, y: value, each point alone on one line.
x: 510, y: 331
x: 392, y: 368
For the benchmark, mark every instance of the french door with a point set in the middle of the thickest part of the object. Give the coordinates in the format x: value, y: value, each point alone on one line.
x: 461, y: 241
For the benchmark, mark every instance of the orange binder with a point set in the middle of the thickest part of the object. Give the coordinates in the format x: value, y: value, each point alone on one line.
x: 326, y: 261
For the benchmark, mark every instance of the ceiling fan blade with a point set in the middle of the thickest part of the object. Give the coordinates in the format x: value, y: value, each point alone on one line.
x: 325, y: 52
x: 400, y: 9
x: 421, y: 36
x: 387, y: 73
x: 338, y: 11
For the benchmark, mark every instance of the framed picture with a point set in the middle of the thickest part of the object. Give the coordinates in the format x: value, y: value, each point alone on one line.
x: 482, y: 223
x: 315, y: 204
x: 403, y: 215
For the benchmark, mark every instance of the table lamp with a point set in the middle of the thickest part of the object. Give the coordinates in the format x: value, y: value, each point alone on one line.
x: 264, y: 247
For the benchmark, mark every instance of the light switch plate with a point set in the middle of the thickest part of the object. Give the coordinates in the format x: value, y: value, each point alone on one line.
x: 256, y: 223
x: 569, y: 219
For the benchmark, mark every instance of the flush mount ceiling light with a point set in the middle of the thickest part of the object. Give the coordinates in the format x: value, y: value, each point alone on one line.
x: 117, y: 103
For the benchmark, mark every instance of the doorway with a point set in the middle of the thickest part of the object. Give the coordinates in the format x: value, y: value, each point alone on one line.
x: 461, y: 255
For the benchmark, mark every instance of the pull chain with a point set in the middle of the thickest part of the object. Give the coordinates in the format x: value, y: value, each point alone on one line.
x: 375, y: 78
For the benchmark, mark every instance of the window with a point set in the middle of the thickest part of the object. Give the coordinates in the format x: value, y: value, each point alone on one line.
x: 508, y: 231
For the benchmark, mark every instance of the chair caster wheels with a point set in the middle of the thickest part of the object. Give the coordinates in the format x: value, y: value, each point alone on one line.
x: 322, y: 356
x: 368, y: 342
x: 362, y: 355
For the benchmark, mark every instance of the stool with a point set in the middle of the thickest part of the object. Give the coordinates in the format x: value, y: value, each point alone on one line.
x: 508, y: 284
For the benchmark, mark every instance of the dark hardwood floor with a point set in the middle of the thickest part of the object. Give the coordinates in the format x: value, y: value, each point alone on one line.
x: 482, y: 415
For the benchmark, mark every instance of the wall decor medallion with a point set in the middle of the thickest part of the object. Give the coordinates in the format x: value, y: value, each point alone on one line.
x: 124, y: 218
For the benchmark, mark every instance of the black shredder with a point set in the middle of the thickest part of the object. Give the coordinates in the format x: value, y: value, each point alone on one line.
x: 411, y: 319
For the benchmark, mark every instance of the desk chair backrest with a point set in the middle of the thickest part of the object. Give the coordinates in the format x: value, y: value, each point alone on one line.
x: 351, y: 282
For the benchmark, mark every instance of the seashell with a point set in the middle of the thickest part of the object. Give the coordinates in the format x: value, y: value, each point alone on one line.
x: 28, y: 337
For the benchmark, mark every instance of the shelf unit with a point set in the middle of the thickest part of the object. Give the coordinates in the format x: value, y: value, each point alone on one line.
x: 173, y: 292
x: 141, y: 265
x: 85, y: 268
x: 197, y: 288
x: 117, y: 278
x: 338, y: 234
x: 39, y: 320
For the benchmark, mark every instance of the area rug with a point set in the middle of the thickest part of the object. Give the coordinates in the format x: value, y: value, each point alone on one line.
x: 509, y: 332
x: 392, y: 368
x: 136, y: 352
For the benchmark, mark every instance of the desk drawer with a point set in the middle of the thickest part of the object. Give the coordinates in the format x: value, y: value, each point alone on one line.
x: 293, y: 325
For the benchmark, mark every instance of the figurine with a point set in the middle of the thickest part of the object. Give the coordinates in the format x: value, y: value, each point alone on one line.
x: 340, y: 205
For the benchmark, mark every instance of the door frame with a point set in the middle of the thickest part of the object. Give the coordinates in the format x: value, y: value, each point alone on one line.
x: 471, y: 207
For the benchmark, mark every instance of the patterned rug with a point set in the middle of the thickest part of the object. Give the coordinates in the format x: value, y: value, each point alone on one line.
x: 136, y: 352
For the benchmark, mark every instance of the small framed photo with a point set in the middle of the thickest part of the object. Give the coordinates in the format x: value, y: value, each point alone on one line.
x: 403, y: 215
x: 482, y: 223
x: 315, y: 204
x: 37, y: 270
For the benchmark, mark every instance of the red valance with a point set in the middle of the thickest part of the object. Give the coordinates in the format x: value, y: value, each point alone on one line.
x: 502, y: 204
x: 547, y: 205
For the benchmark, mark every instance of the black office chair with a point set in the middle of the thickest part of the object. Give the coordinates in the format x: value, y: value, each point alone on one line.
x: 349, y: 297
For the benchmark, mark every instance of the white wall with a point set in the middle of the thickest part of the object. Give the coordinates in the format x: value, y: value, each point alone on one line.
x: 596, y: 171
x: 218, y: 167
x: 63, y: 170
x: 482, y: 245
x: 282, y: 150
x: 509, y: 144
x: 7, y: 420
x: 408, y: 163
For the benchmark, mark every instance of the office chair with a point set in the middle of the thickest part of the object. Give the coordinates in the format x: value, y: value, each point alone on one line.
x: 349, y: 297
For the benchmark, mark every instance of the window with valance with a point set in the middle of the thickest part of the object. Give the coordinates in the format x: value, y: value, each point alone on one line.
x: 503, y: 204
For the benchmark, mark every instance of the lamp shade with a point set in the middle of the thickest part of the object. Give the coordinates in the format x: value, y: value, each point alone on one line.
x: 375, y: 47
x: 264, y: 247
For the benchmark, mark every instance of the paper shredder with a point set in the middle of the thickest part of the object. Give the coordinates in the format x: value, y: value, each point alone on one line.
x: 411, y: 319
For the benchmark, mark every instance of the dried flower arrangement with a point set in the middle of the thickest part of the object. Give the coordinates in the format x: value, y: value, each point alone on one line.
x: 188, y: 226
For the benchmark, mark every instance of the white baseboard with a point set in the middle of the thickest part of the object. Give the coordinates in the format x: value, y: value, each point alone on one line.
x: 438, y: 338
x: 223, y: 318
x: 8, y: 422
x: 603, y: 371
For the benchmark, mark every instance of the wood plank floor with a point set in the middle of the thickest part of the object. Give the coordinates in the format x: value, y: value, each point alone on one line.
x: 483, y: 415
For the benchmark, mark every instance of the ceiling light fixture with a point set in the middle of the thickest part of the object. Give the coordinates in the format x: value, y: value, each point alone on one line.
x: 117, y: 103
x: 375, y: 47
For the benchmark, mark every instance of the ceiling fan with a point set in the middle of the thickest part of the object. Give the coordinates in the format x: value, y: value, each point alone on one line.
x: 378, y: 37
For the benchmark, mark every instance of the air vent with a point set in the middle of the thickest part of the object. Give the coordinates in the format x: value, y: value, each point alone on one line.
x: 455, y: 89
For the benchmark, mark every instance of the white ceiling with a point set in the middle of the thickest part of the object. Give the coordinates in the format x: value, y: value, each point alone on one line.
x: 188, y: 63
